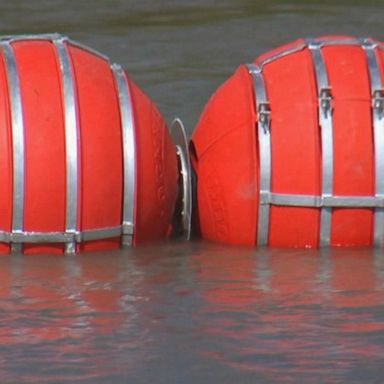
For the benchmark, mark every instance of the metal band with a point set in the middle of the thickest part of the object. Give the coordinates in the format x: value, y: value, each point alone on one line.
x: 60, y: 237
x: 52, y: 37
x: 17, y: 141
x: 263, y: 118
x: 316, y: 201
x: 323, y: 43
x: 71, y: 139
x: 129, y: 154
x: 282, y: 53
x: 378, y: 134
x: 301, y: 46
x: 326, y: 125
x: 47, y: 36
x: 100, y: 233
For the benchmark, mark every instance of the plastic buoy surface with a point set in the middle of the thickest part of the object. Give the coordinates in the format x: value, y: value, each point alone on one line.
x: 289, y: 151
x: 86, y: 161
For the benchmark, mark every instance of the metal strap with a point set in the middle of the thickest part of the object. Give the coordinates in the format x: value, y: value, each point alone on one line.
x: 279, y: 55
x: 378, y: 134
x: 17, y: 141
x: 326, y: 125
x: 129, y: 154
x: 300, y: 46
x: 263, y: 118
x: 42, y: 36
x: 60, y: 237
x: 71, y: 140
x: 315, y: 201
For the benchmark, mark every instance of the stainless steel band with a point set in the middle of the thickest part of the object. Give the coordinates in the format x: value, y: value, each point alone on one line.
x: 326, y: 126
x: 51, y: 37
x: 71, y: 235
x: 304, y: 44
x: 377, y: 95
x: 263, y: 118
x: 326, y: 201
x: 60, y: 237
x: 129, y: 154
x: 71, y: 139
x: 17, y: 124
x: 322, y: 201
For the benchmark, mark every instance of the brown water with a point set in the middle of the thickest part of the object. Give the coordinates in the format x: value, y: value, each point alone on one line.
x: 192, y: 312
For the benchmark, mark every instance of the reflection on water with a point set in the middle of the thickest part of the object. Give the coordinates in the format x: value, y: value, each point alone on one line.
x: 194, y: 313
x: 298, y: 317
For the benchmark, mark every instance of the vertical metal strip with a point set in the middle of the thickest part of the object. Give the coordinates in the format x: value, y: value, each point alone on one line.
x: 378, y: 134
x: 263, y: 118
x: 326, y: 126
x: 71, y: 140
x: 129, y: 154
x: 17, y: 141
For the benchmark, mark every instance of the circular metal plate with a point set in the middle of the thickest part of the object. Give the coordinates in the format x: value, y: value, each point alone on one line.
x: 179, y: 137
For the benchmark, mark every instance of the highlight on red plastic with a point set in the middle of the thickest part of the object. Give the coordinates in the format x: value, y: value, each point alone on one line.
x: 86, y: 160
x: 289, y: 151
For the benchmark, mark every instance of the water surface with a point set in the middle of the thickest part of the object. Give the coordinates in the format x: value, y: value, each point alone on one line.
x: 193, y: 313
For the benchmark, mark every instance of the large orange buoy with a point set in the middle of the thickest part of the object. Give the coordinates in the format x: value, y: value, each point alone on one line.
x: 86, y: 161
x: 290, y: 150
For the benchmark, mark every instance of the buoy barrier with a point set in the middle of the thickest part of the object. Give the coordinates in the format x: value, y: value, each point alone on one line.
x: 86, y: 160
x: 289, y: 151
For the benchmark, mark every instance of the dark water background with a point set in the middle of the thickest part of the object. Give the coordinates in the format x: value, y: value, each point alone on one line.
x: 192, y: 312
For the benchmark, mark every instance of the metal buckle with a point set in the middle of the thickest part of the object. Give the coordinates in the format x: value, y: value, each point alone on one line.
x: 378, y: 101
x: 264, y: 116
x: 325, y: 99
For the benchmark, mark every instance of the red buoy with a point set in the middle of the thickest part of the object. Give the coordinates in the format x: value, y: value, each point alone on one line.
x: 289, y: 151
x: 86, y: 161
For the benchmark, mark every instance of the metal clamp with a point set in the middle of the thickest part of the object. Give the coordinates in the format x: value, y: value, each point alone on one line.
x: 378, y: 102
x: 325, y: 99
x: 264, y: 116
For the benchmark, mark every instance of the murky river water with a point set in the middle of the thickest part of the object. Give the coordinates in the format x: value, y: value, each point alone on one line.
x: 192, y: 312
